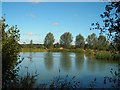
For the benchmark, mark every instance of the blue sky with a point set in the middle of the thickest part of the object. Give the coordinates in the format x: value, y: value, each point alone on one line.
x: 35, y: 20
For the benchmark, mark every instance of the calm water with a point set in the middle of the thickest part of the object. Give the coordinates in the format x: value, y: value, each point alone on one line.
x: 47, y: 65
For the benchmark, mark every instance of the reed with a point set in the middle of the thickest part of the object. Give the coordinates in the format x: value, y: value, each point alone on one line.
x: 106, y: 55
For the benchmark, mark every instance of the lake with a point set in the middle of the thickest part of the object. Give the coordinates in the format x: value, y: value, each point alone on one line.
x: 84, y: 68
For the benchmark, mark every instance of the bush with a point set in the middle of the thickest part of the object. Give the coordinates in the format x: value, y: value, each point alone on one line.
x: 105, y: 55
x: 90, y: 52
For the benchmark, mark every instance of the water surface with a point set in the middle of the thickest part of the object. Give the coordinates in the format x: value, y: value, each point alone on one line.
x: 47, y: 65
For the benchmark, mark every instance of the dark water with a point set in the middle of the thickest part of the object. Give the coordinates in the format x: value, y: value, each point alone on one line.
x: 47, y: 65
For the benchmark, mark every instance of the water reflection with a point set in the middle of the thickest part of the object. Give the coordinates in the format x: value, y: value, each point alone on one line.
x: 102, y: 64
x: 30, y: 56
x: 91, y: 64
x: 79, y: 60
x: 48, y: 60
x: 65, y: 61
x: 47, y: 64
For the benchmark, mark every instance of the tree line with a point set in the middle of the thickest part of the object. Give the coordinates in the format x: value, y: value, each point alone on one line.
x: 66, y: 39
x: 110, y: 27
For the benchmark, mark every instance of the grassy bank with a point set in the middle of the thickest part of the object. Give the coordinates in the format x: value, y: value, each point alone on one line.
x: 33, y: 50
x: 90, y: 52
x: 51, y: 50
x: 103, y: 55
x: 106, y: 55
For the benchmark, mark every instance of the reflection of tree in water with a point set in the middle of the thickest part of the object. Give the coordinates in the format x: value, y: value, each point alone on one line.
x: 48, y: 60
x: 91, y: 64
x: 101, y: 64
x: 65, y: 61
x: 79, y: 59
x: 30, y: 56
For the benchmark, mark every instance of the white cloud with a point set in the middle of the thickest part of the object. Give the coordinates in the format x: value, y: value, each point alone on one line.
x: 76, y: 15
x: 30, y: 15
x: 55, y: 23
x: 29, y: 33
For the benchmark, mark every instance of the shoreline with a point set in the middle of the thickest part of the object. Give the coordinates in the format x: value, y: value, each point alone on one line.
x: 103, y: 55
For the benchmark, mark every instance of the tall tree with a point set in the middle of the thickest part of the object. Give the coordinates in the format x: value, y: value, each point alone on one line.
x: 92, y: 41
x: 31, y: 43
x: 10, y: 50
x: 49, y: 40
x: 111, y: 23
x: 66, y: 39
x: 79, y: 41
x: 102, y: 43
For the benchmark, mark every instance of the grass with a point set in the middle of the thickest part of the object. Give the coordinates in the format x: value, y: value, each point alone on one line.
x: 106, y: 55
x: 33, y: 50
x: 51, y: 50
x: 90, y: 52
x: 103, y: 55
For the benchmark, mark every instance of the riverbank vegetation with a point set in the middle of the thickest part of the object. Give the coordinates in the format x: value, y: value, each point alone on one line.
x: 105, y: 55
x: 98, y: 47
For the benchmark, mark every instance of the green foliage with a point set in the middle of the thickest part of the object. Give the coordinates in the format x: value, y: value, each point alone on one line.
x: 10, y: 49
x: 79, y: 41
x: 66, y: 39
x: 57, y: 45
x: 56, y: 50
x: 92, y: 41
x: 31, y: 43
x: 49, y: 40
x: 89, y: 52
x: 102, y: 43
x: 105, y: 55
x: 33, y: 50
x: 111, y: 24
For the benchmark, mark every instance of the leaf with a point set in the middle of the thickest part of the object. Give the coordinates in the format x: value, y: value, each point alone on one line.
x: 92, y: 24
x: 104, y: 81
x: 101, y: 16
x: 59, y: 70
x: 116, y: 73
x: 73, y: 77
x: 95, y: 79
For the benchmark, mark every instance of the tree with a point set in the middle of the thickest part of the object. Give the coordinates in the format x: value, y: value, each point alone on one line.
x: 66, y: 39
x: 10, y: 50
x: 31, y: 43
x: 57, y: 45
x: 102, y: 43
x: 92, y: 41
x: 111, y: 24
x: 49, y: 40
x: 79, y: 41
